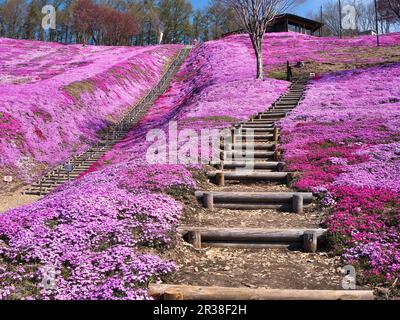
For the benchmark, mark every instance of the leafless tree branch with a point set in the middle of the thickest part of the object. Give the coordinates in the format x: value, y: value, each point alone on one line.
x: 255, y: 17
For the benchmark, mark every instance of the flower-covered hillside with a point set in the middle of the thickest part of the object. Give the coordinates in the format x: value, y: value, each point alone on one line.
x: 322, y: 55
x: 97, y: 237
x: 55, y: 98
x: 214, y: 89
x: 345, y: 140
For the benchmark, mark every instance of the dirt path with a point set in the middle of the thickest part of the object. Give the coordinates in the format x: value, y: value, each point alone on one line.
x: 11, y: 197
x: 269, y: 268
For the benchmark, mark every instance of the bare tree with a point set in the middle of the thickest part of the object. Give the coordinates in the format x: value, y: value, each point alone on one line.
x: 394, y: 6
x: 255, y: 16
x: 366, y: 16
x: 331, y: 17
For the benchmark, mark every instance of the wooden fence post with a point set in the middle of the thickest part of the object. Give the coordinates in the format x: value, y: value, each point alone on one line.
x: 276, y: 136
x: 194, y: 238
x: 310, y: 239
x: 208, y: 200
x: 220, y: 178
x: 298, y: 203
x: 233, y: 136
x: 277, y: 155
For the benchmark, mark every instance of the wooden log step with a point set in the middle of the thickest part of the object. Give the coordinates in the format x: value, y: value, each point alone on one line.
x: 267, y: 115
x: 270, y: 165
x: 253, y: 127
x: 257, y: 137
x: 299, y: 92
x: 243, y: 245
x: 256, y: 119
x: 245, y: 146
x: 288, y: 101
x: 266, y: 123
x: 258, y: 125
x: 251, y: 176
x: 47, y: 188
x: 44, y: 186
x: 283, y: 207
x: 59, y: 178
x: 285, y: 201
x: 255, y: 130
x: 249, y: 154
x: 296, y: 97
x: 35, y: 193
x: 257, y: 197
x: 285, y: 102
x: 271, y: 112
x: 287, y: 110
x: 37, y: 189
x: 292, y: 105
x: 283, y: 105
x: 254, y: 235
x: 272, y: 118
x: 159, y: 291
x: 283, y: 108
x: 49, y: 183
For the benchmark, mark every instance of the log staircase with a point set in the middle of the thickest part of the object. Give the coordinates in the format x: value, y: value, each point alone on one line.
x: 255, y: 143
x: 80, y: 163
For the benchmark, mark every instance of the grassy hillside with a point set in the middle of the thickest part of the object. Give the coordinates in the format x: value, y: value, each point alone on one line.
x: 322, y: 55
x: 55, y: 98
x: 344, y: 139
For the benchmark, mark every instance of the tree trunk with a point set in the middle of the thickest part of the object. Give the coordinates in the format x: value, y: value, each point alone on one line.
x: 260, y: 68
x: 257, y: 45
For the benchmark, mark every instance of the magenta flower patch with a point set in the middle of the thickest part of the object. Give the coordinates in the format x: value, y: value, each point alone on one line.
x: 344, y: 138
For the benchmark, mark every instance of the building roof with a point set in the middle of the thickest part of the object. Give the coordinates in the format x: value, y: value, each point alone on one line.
x: 310, y: 24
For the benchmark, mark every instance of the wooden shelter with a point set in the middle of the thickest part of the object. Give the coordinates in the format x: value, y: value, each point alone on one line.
x: 289, y: 22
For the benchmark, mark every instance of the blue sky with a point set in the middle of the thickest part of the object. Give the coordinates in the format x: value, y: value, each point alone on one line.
x: 303, y: 9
